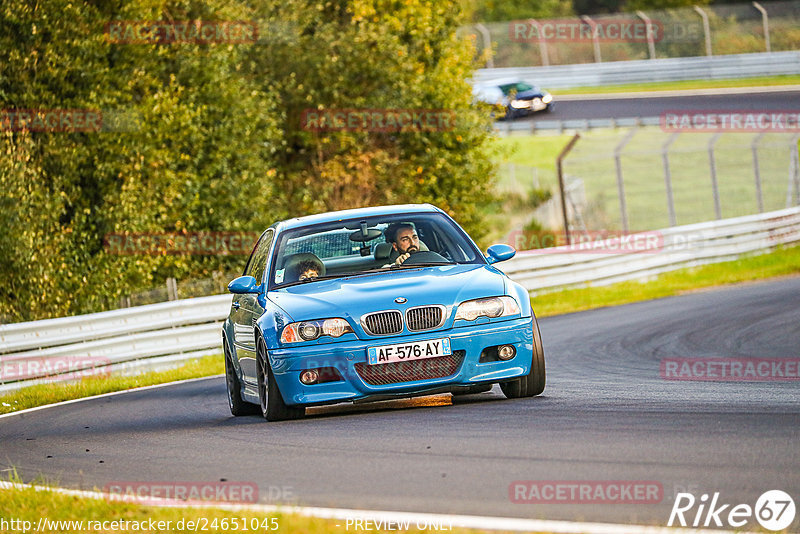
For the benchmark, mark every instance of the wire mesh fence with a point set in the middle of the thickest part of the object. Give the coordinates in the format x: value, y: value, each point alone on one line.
x: 640, y: 179
x: 646, y: 179
x: 179, y: 289
x: 684, y: 32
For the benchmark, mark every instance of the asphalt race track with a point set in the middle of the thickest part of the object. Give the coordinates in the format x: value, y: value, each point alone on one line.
x: 577, y: 107
x: 606, y: 415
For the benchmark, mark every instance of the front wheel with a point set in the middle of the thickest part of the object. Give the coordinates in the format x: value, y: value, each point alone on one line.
x: 273, y: 408
x: 533, y: 383
x: 235, y: 403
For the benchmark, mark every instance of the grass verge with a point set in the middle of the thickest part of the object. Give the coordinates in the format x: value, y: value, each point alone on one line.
x: 686, y: 85
x: 64, y: 513
x: 50, y: 393
x: 781, y: 262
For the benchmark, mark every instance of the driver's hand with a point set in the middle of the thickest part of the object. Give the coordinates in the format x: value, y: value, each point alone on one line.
x: 401, y: 258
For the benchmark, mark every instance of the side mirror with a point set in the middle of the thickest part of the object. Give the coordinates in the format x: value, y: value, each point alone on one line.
x: 243, y: 284
x: 500, y: 252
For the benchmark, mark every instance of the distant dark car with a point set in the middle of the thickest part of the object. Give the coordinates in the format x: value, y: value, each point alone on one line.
x: 514, y: 97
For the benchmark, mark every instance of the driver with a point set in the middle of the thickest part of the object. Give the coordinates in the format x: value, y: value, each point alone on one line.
x: 404, y: 240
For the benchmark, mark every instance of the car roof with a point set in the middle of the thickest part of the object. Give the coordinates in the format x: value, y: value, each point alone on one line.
x: 332, y: 216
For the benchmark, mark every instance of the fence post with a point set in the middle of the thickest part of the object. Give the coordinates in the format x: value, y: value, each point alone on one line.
x: 560, y: 171
x: 172, y: 289
x: 651, y: 46
x: 542, y: 42
x: 713, y: 164
x: 668, y: 178
x: 757, y: 172
x: 620, y: 185
x: 706, y: 29
x: 765, y: 23
x: 595, y: 38
x: 487, y: 44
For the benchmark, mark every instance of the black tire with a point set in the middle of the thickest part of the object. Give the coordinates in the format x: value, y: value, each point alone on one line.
x: 531, y: 384
x: 235, y: 403
x: 273, y: 408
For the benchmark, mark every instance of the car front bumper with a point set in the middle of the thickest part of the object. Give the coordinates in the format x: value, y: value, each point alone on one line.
x: 288, y: 363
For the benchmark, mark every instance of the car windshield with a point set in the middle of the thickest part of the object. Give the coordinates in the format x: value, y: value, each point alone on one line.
x: 360, y: 246
x: 517, y: 87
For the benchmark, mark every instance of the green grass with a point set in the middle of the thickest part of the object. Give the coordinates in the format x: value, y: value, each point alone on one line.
x: 27, y: 504
x: 781, y: 262
x: 685, y: 85
x: 535, y: 151
x: 41, y: 394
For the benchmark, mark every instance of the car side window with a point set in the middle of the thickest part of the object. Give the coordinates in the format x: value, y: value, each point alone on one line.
x: 258, y: 261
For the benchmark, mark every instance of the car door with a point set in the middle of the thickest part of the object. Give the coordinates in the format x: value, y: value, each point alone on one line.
x: 247, y: 309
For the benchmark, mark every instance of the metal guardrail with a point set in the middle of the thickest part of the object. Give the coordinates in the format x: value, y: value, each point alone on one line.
x: 540, y: 124
x: 650, y: 70
x: 672, y: 248
x: 159, y: 335
x: 127, y: 340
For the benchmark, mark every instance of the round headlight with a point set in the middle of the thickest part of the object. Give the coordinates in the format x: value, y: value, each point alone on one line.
x: 494, y: 307
x: 308, y: 331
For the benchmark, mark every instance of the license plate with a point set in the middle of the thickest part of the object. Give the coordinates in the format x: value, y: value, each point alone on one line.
x: 404, y: 352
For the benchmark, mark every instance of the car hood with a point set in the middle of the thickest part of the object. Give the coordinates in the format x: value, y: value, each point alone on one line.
x: 355, y: 296
x: 530, y: 94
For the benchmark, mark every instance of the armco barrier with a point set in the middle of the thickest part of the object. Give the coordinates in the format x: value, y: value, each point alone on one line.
x: 159, y: 335
x: 128, y: 340
x: 683, y: 246
x: 650, y: 70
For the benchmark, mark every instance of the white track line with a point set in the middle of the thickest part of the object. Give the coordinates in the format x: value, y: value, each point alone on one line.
x: 444, y: 521
x: 111, y: 394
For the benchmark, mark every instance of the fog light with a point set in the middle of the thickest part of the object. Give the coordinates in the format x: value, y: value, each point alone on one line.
x: 309, y: 377
x: 506, y: 352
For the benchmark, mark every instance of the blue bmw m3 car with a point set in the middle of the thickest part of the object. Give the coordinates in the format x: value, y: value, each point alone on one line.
x: 374, y: 304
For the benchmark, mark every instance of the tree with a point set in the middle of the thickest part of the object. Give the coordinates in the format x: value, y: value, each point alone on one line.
x: 193, y: 156
x: 208, y: 137
x: 374, y: 55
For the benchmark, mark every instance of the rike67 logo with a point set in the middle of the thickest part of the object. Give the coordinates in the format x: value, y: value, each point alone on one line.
x: 774, y: 510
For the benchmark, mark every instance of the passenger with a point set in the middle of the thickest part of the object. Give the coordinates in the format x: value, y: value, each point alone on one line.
x: 306, y: 270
